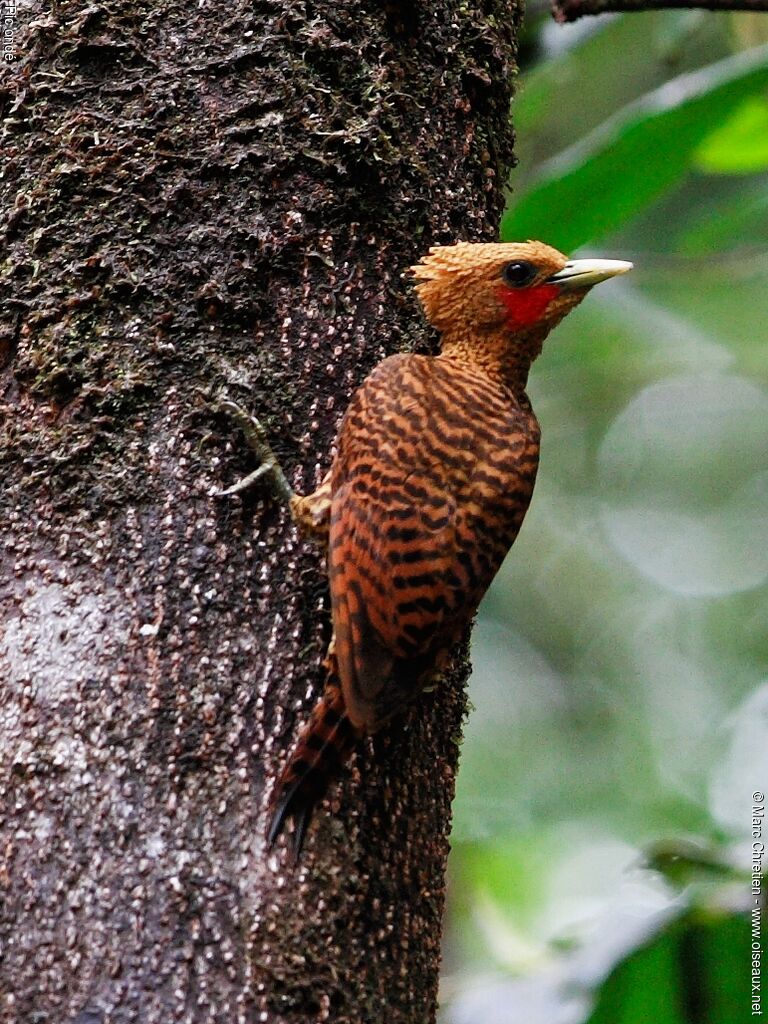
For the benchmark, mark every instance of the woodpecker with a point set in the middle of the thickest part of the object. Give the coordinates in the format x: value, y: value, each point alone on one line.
x: 434, y: 471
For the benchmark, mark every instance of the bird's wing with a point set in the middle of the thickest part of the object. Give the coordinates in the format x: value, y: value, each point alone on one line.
x: 417, y: 533
x: 388, y: 567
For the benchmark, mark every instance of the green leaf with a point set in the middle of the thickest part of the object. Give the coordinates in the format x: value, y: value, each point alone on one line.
x: 727, y: 223
x: 644, y: 988
x: 634, y: 157
x: 740, y: 146
x: 696, y: 970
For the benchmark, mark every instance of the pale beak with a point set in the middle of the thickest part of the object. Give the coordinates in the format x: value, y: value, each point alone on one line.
x: 584, y: 273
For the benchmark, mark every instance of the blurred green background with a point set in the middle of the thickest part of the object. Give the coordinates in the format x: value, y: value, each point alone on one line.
x: 602, y: 832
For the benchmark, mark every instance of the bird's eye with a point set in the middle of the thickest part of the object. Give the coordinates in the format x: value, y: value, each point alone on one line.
x: 519, y: 274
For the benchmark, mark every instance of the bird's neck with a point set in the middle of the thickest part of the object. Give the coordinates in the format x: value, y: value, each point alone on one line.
x: 498, y: 354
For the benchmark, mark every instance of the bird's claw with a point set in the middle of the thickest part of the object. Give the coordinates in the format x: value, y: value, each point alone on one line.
x: 247, y: 482
x: 256, y: 438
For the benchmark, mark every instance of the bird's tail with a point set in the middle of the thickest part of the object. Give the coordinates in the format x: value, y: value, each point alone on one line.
x: 324, y: 745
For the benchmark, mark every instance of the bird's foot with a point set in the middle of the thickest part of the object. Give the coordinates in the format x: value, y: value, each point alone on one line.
x: 269, y: 470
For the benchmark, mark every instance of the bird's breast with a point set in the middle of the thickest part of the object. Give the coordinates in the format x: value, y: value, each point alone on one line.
x: 418, y: 419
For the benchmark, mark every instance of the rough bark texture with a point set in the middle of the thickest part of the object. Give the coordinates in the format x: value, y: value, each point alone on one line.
x: 207, y: 199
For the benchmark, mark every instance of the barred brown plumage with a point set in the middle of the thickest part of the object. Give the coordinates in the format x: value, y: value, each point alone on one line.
x: 435, y: 467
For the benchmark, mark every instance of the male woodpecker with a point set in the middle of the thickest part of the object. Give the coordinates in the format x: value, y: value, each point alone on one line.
x: 435, y: 467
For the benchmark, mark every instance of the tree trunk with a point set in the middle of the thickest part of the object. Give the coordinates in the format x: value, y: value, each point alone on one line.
x: 204, y: 200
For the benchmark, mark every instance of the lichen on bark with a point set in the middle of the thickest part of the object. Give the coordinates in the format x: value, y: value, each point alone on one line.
x: 201, y: 201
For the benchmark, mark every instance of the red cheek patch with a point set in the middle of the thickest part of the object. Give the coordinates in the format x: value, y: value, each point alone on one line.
x: 525, y: 306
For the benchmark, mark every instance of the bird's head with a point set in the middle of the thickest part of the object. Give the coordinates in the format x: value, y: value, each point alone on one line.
x: 517, y: 288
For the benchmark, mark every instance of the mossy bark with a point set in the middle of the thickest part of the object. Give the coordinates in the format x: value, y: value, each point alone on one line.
x: 201, y: 200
